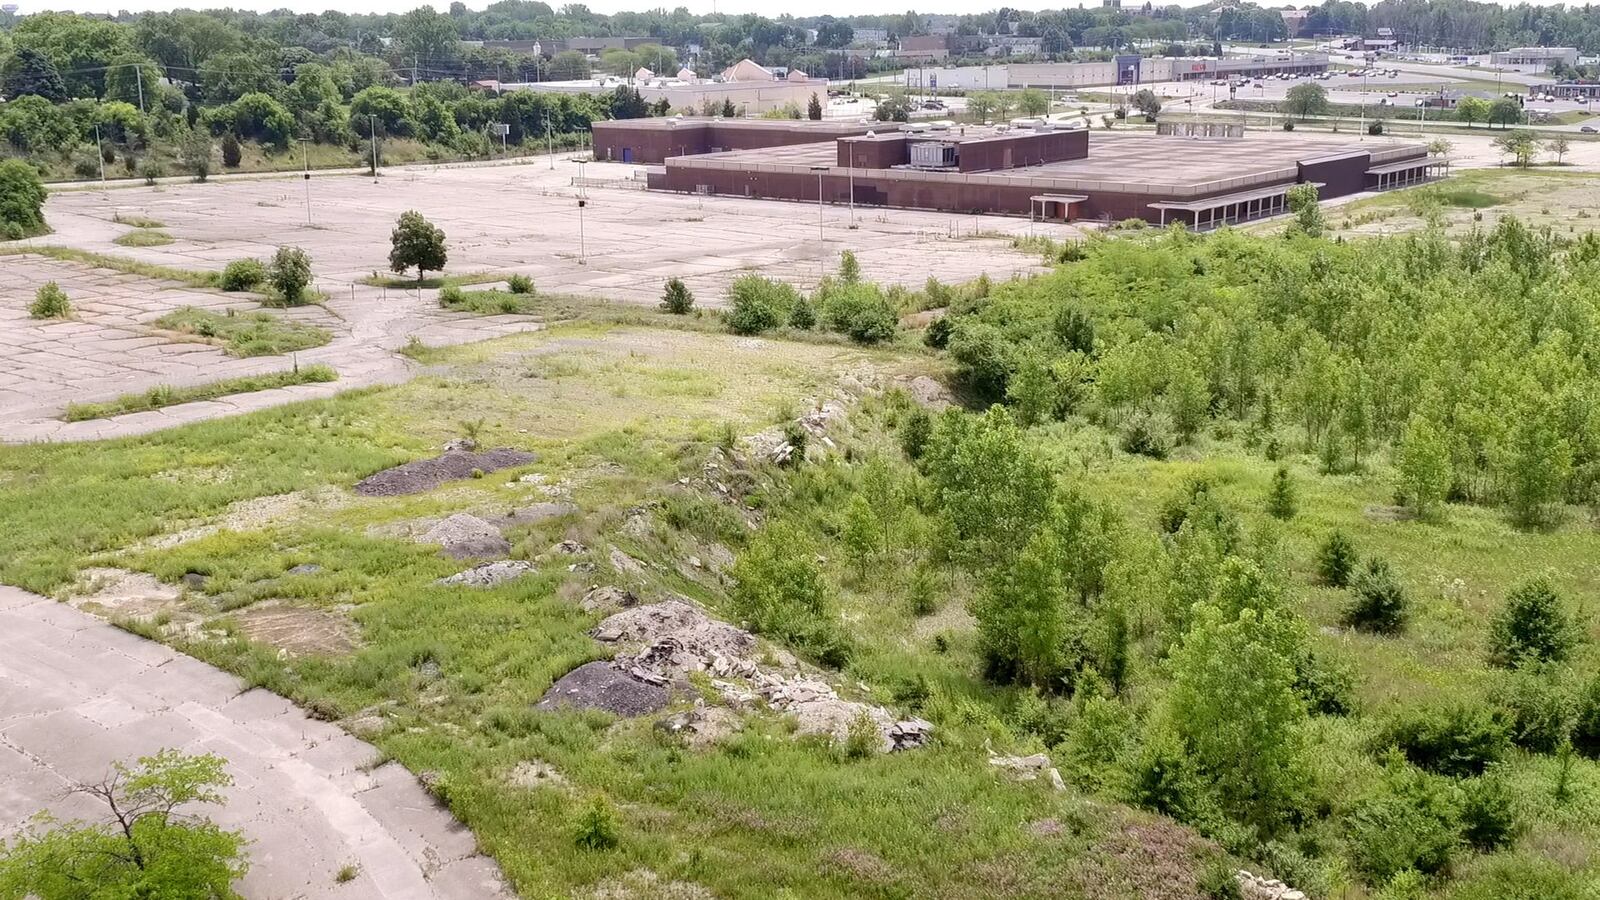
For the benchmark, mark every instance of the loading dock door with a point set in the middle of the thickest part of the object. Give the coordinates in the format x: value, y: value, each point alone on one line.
x: 627, y: 154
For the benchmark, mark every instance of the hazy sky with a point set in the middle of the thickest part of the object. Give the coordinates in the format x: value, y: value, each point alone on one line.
x: 766, y: 7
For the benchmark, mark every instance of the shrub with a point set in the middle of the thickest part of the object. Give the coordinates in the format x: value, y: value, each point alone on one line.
x: 1326, y: 684
x: 862, y: 738
x: 676, y: 299
x: 152, y: 170
x: 451, y: 295
x: 1379, y: 604
x: 1586, y: 720
x: 1147, y: 434
x: 915, y: 430
x: 780, y: 592
x: 983, y: 359
x: 802, y: 316
x: 1458, y: 740
x: 289, y: 273
x: 50, y: 302
x: 757, y: 304
x: 937, y: 335
x: 795, y: 435
x: 520, y: 284
x: 1506, y: 876
x: 849, y: 267
x: 1531, y: 627
x: 860, y: 311
x: 243, y: 275
x: 1375, y: 128
x: 1336, y: 560
x: 1409, y: 823
x: 1281, y: 501
x: 1488, y: 813
x: 21, y: 199
x: 1540, y: 710
x: 596, y: 828
x: 232, y: 153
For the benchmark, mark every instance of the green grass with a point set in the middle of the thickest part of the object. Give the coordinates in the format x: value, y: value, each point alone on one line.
x: 402, y: 282
x: 133, y: 220
x: 246, y: 334
x: 143, y: 238
x: 168, y: 395
x: 492, y: 302
x: 121, y: 264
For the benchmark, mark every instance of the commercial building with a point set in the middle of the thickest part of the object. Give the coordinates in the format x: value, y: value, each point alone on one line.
x: 1134, y: 69
x: 750, y: 89
x: 1535, y: 57
x: 1567, y: 90
x: 1027, y: 168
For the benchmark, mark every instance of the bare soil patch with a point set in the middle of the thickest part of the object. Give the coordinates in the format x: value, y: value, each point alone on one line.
x: 298, y: 631
x: 599, y: 685
x: 426, y: 474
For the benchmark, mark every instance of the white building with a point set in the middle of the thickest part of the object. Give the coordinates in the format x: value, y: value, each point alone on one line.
x: 750, y: 88
x: 1536, y: 58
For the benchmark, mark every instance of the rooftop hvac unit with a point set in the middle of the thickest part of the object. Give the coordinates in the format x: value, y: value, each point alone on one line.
x: 915, y: 127
x: 933, y: 155
x: 1025, y: 122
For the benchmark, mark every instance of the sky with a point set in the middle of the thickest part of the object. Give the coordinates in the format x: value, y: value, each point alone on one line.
x: 765, y: 7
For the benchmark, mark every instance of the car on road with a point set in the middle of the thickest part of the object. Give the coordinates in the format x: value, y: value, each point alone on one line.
x: 1588, y: 129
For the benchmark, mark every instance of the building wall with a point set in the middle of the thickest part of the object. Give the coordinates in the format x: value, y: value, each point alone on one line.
x: 1339, y: 175
x: 1021, y: 149
x: 648, y: 142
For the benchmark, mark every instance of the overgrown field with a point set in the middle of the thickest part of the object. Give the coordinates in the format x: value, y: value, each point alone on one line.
x: 1280, y: 548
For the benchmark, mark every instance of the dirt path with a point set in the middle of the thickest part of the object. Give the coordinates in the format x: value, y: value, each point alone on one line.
x: 77, y: 694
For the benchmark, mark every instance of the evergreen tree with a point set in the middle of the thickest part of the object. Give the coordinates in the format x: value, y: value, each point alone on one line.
x: 30, y: 72
x: 1336, y: 560
x: 1281, y: 502
x: 231, y: 151
x: 676, y: 299
x: 814, y: 109
x: 1531, y: 627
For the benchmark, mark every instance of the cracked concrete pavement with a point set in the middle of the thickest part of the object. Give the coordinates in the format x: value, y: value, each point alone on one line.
x: 77, y: 694
x: 499, y: 219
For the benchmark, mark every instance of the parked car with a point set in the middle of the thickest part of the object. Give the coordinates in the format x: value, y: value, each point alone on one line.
x: 1588, y: 129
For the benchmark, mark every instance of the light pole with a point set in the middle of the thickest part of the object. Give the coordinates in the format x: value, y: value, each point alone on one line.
x: 821, y: 235
x: 583, y: 258
x: 101, y: 155
x: 583, y: 188
x: 372, y: 121
x: 852, y: 171
x: 305, y: 152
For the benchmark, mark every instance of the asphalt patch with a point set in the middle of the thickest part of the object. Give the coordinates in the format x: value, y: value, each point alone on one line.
x: 426, y: 474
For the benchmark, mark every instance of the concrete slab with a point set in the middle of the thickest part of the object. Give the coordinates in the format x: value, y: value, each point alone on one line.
x: 69, y: 708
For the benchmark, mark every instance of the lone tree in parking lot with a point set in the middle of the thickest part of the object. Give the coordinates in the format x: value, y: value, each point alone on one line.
x: 814, y: 109
x: 147, y: 845
x: 1505, y: 112
x: 1472, y: 109
x: 1148, y: 103
x: 416, y: 243
x: 1306, y: 100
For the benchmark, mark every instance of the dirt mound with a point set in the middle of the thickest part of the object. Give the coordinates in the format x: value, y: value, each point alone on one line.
x: 600, y: 685
x: 529, y: 515
x: 426, y: 474
x: 490, y: 574
x: 463, y: 536
x: 608, y: 600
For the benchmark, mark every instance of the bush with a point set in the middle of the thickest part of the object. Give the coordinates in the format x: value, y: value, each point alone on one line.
x: 937, y: 335
x: 450, y: 296
x: 1281, y: 500
x: 21, y: 199
x: 1375, y: 128
x: 802, y: 316
x: 983, y: 359
x: 1586, y: 720
x: 520, y: 284
x: 243, y: 275
x: 289, y: 273
x: 757, y: 304
x: 860, y: 311
x: 50, y: 302
x: 1409, y: 823
x: 1488, y: 813
x: 1505, y: 876
x: 849, y: 267
x: 152, y: 170
x: 1147, y: 434
x: 914, y: 432
x: 1540, y: 710
x: 1379, y: 604
x: 676, y: 299
x: 1336, y: 560
x: 1459, y: 740
x: 596, y: 828
x: 780, y: 592
x: 232, y: 153
x: 1531, y: 627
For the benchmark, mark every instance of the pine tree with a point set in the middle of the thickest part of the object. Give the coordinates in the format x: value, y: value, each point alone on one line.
x: 1336, y: 560
x: 677, y: 299
x: 849, y: 267
x: 1281, y: 502
x: 814, y: 109
x: 232, y: 153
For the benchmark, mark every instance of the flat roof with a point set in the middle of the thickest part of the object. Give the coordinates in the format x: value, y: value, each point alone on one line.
x: 1128, y: 162
x: 822, y: 128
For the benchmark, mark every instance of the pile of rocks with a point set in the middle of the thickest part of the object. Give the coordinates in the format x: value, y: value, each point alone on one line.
x: 490, y: 574
x: 463, y: 536
x: 1029, y: 768
x: 1257, y: 887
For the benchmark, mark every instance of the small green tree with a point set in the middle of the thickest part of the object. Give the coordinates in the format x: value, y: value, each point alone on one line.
x: 50, y: 302
x: 1336, y: 560
x: 1281, y: 500
x: 148, y: 846
x: 1472, y: 109
x: 1379, y: 604
x: 1538, y: 463
x: 1424, y: 466
x: 1302, y: 200
x: 21, y: 200
x: 1440, y: 147
x: 1520, y: 145
x: 677, y: 299
x: 417, y: 243
x: 1505, y: 111
x: 289, y: 273
x: 814, y: 109
x: 1558, y: 147
x: 596, y: 826
x: 1306, y: 100
x: 232, y: 153
x: 1532, y: 627
x: 802, y: 315
x: 194, y: 149
x: 861, y: 534
x: 849, y: 267
x: 1147, y: 102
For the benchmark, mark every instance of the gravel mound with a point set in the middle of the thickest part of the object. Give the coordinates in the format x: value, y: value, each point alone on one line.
x: 598, y: 685
x: 490, y: 574
x: 426, y: 474
x: 464, y: 536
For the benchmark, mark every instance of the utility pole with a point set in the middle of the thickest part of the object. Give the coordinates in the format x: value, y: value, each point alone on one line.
x: 582, y: 252
x: 372, y: 120
x: 550, y: 141
x: 138, y: 76
x: 305, y: 151
x: 100, y: 155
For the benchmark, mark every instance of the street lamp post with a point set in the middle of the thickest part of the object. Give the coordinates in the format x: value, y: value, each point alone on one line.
x: 583, y: 257
x: 305, y: 153
x: 372, y: 121
x: 821, y: 235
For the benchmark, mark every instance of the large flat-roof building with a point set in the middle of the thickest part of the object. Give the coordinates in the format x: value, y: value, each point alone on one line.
x: 1534, y: 57
x: 1029, y: 168
x: 748, y: 88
